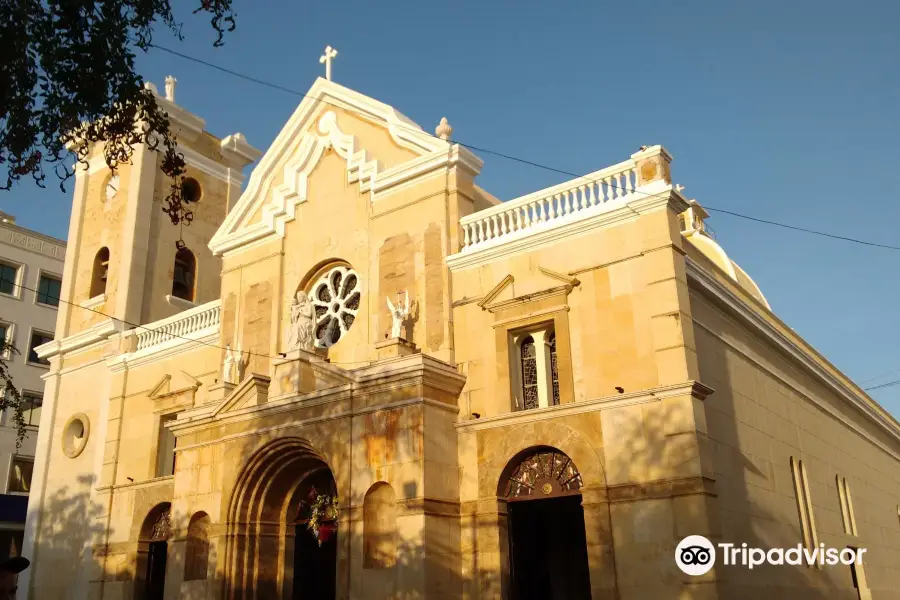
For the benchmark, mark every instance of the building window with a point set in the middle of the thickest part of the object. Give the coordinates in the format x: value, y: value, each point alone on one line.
x: 38, y: 338
x: 8, y: 275
x: 804, y: 505
x: 20, y: 470
x: 197, y: 552
x: 335, y: 298
x: 846, y: 502
x: 380, y: 527
x: 536, y: 384
x: 49, y: 289
x: 31, y: 408
x: 554, y: 371
x: 5, y: 338
x: 165, y: 462
x: 183, y: 276
x: 191, y: 190
x: 100, y: 272
x: 529, y: 373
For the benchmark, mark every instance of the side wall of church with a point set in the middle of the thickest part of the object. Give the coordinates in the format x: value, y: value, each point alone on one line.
x: 768, y: 409
x: 641, y: 452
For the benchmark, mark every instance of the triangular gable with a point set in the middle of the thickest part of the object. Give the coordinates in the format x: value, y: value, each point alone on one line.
x: 252, y: 391
x: 278, y: 206
x: 170, y: 385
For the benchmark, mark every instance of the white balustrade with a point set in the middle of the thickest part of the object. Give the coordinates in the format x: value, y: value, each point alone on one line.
x: 543, y: 209
x: 184, y: 326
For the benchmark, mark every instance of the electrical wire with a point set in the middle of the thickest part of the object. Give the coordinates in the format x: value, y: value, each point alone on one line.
x: 172, y: 335
x: 522, y: 160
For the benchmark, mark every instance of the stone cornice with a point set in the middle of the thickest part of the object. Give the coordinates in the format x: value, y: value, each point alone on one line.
x: 99, y: 332
x: 520, y: 417
x: 778, y: 333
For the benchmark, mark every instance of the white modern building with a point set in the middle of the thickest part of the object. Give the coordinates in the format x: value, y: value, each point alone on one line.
x: 31, y: 266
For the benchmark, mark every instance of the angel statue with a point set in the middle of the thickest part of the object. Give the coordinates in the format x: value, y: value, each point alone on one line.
x: 230, y: 365
x: 399, y: 314
x: 300, y: 334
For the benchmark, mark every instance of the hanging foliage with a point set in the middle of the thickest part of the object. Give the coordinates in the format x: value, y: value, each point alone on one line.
x: 322, y: 520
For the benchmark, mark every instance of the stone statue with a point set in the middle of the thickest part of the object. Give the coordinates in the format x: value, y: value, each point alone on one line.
x: 300, y: 334
x: 170, y: 88
x: 229, y: 367
x: 399, y: 314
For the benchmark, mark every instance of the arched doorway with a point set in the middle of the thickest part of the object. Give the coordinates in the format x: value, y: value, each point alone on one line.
x: 547, y: 546
x: 153, y: 549
x: 270, y: 551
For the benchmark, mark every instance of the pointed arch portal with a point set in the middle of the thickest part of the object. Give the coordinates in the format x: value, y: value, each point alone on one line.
x: 547, y: 547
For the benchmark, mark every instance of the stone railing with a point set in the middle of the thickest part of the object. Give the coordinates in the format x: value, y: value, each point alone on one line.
x: 538, y: 210
x: 187, y: 325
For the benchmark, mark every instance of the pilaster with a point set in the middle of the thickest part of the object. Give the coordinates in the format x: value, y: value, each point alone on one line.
x: 136, y: 235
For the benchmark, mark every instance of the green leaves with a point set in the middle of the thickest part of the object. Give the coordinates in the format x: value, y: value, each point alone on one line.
x: 69, y: 84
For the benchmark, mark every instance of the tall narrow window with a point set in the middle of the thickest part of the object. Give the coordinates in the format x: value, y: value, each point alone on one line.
x: 846, y: 505
x: 380, y: 527
x: 20, y: 470
x: 860, y: 582
x: 529, y: 373
x: 49, y: 288
x: 8, y: 275
x: 165, y: 460
x: 38, y: 338
x: 183, y: 276
x: 554, y: 370
x: 31, y: 408
x: 197, y: 551
x: 804, y: 505
x: 100, y: 272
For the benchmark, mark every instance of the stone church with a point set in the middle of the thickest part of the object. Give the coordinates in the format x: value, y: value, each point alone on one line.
x: 364, y: 376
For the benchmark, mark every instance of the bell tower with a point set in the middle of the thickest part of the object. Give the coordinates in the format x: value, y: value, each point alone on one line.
x: 126, y: 260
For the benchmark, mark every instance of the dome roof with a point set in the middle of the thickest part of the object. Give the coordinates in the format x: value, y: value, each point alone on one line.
x: 696, y: 234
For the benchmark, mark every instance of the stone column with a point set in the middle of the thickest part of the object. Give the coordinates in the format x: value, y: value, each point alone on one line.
x: 598, y: 535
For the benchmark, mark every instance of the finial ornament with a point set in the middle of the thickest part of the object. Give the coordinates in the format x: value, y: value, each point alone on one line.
x: 170, y: 88
x: 326, y: 58
x: 399, y: 313
x: 443, y: 130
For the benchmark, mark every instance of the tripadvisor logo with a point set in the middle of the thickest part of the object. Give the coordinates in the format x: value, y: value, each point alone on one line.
x: 695, y: 555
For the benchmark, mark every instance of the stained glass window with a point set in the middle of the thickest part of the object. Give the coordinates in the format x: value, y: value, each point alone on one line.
x: 544, y: 473
x: 529, y: 373
x: 554, y: 371
x: 336, y: 298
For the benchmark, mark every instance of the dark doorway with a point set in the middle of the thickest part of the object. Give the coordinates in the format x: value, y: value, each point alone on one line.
x: 315, y: 563
x: 548, y: 550
x: 156, y: 571
x: 315, y: 567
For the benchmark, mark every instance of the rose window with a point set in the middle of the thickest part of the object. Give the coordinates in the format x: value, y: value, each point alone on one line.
x: 335, y: 297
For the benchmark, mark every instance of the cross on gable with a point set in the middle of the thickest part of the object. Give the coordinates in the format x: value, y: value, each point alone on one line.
x: 326, y: 58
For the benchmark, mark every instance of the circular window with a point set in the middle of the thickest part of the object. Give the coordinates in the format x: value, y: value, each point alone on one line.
x: 75, y: 434
x: 190, y: 190
x: 335, y: 297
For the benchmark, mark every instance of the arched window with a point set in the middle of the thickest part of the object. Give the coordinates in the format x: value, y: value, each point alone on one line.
x: 183, y: 276
x: 197, y: 550
x: 100, y: 272
x: 380, y: 527
x: 529, y: 373
x: 554, y: 371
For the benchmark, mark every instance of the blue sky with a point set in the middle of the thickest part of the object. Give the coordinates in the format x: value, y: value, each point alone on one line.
x: 785, y: 111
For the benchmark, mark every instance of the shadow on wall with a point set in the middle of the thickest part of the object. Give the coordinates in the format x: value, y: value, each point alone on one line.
x: 754, y: 503
x: 70, y: 525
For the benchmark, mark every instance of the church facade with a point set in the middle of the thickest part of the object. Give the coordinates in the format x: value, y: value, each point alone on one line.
x: 364, y: 376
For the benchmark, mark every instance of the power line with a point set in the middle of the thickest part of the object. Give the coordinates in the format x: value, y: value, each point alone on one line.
x: 883, y: 385
x: 171, y: 335
x: 522, y: 160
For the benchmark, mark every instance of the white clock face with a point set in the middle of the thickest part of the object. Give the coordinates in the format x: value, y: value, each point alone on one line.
x: 112, y: 187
